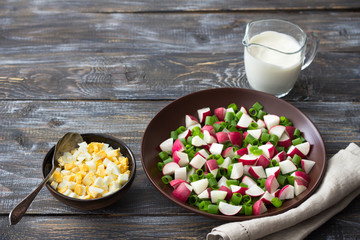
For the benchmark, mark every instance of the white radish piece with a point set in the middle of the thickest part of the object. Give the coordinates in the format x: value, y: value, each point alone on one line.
x: 248, y: 181
x: 238, y: 189
x: 197, y: 162
x: 307, y: 165
x: 272, y: 171
x: 248, y: 159
x: 203, y: 113
x: 228, y: 152
x: 220, y: 113
x: 267, y: 197
x: 222, y: 181
x: 205, y: 194
x: 236, y: 139
x: 181, y: 158
x: 304, y: 148
x: 178, y: 146
x: 209, y: 138
x: 185, y: 134
x: 287, y: 166
x: 293, y: 150
x: 190, y: 121
x: 176, y: 182
x: 229, y: 209
x: 300, y: 186
x: 284, y: 141
x: 212, y: 166
x: 203, y: 153
x: 263, y: 161
x: 229, y: 192
x: 216, y: 148
x: 200, y: 185
x: 256, y: 133
x: 167, y: 145
x: 226, y: 163
x: 255, y: 191
x: 244, y: 121
x: 222, y: 137
x: 237, y: 171
x: 301, y: 175
x: 180, y: 173
x: 277, y: 130
x: 169, y: 168
x: 198, y: 141
x: 216, y: 195
x: 259, y: 207
x: 182, y: 192
x: 257, y: 172
x: 287, y: 192
x: 281, y: 156
x: 271, y: 184
x: 271, y: 120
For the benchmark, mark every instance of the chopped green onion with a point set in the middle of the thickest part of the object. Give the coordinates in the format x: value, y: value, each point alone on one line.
x: 297, y: 133
x: 296, y: 141
x: 257, y: 106
x: 253, y: 112
x: 253, y: 126
x: 236, y: 198
x: 255, y: 150
x: 166, y: 179
x: 276, y: 202
x: 250, y: 139
x: 203, y: 205
x: 261, y: 114
x: 274, y: 139
x: 246, y: 199
x: 212, y: 183
x: 220, y: 160
x: 243, y: 185
x: 173, y: 135
x: 212, y: 208
x: 280, y: 149
x: 200, y: 172
x: 281, y: 180
x: 209, y: 120
x: 180, y: 129
x: 193, y: 177
x: 239, y: 114
x: 248, y: 209
x: 233, y: 106
x: 193, y: 199
x: 229, y: 116
x: 291, y: 180
x: 296, y: 159
x: 284, y: 120
x: 169, y: 159
x: 265, y: 137
x: 232, y: 182
x: 217, y: 127
x: 160, y: 165
x: 262, y: 181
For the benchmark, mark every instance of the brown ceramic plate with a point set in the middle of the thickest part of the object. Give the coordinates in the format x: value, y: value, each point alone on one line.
x: 92, y: 204
x: 173, y: 115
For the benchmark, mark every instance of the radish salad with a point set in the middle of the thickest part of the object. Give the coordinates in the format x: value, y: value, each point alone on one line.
x: 235, y: 160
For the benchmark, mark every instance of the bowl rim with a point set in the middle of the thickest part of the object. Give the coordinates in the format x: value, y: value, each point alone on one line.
x: 129, y: 181
x: 321, y: 148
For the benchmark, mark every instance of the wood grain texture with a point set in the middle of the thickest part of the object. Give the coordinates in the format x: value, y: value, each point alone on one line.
x: 30, y: 129
x: 110, y: 6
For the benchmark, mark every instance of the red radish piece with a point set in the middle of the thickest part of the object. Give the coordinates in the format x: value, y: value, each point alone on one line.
x: 180, y: 173
x: 237, y: 171
x: 169, y: 168
x: 304, y: 148
x: 220, y: 113
x: 263, y: 161
x: 271, y: 184
x: 256, y: 133
x: 255, y: 191
x: 248, y: 181
x: 229, y: 192
x: 242, y: 151
x: 203, y: 113
x: 216, y: 148
x: 185, y: 134
x: 205, y: 194
x: 307, y: 165
x: 287, y: 166
x: 209, y: 138
x: 268, y: 150
x: 216, y: 195
x: 293, y: 150
x: 301, y: 175
x: 182, y: 192
x: 284, y: 141
x: 176, y: 182
x: 209, y: 129
x: 236, y: 139
x: 178, y: 146
x: 197, y: 162
x: 213, y: 166
x: 257, y: 172
x: 272, y: 171
x: 226, y: 163
x: 290, y: 131
x: 267, y: 197
x: 276, y: 193
x: 300, y: 186
x: 203, y: 153
x: 287, y: 192
x: 271, y: 120
x: 243, y: 110
x: 190, y: 121
x: 200, y: 185
x: 248, y: 159
x: 222, y: 137
x: 229, y: 209
x: 181, y: 158
x: 261, y: 123
x: 228, y: 152
x: 167, y: 145
x: 238, y: 189
x: 222, y: 181
x: 259, y: 207
x: 277, y: 130
x: 244, y: 121
x: 281, y: 156
x: 198, y: 141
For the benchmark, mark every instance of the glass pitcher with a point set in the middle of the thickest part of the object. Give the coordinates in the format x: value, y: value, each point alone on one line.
x: 275, y: 51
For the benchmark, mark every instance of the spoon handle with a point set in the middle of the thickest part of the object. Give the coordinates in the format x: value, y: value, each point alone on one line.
x: 18, y: 212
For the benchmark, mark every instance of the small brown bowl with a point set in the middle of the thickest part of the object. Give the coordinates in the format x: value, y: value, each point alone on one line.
x: 91, y: 204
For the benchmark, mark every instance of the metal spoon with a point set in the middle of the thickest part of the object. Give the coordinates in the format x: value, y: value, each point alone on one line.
x: 67, y: 143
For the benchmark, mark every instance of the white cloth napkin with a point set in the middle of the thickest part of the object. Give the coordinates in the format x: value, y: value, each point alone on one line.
x: 340, y: 185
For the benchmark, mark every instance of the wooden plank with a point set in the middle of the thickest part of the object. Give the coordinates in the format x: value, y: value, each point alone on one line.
x: 150, y: 226
x: 111, y: 6
x: 30, y: 128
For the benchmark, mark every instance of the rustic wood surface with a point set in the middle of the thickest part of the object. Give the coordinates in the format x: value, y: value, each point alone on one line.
x: 110, y: 66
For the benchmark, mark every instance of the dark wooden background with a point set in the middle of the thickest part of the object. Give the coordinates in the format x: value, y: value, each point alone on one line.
x: 110, y: 66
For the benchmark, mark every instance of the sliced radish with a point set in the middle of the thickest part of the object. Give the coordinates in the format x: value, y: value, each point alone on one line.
x: 268, y: 150
x: 290, y: 131
x: 277, y: 130
x: 255, y: 191
x: 209, y: 138
x: 222, y: 181
x: 167, y: 145
x: 200, y: 185
x: 216, y: 148
x: 220, y: 113
x: 208, y: 128
x: 256, y: 133
x: 249, y: 181
x: 271, y: 184
x: 237, y: 171
x: 259, y: 207
x: 203, y: 153
x: 216, y: 195
x: 244, y: 121
x: 228, y: 152
x: 304, y: 148
x: 205, y: 194
x: 271, y: 120
x: 197, y: 162
x: 176, y: 182
x: 300, y: 186
x: 169, y: 168
x: 180, y: 173
x: 272, y: 171
x: 203, y: 113
x: 182, y: 192
x: 212, y: 166
x: 261, y: 123
x: 281, y: 156
x: 185, y: 134
x: 301, y: 175
x: 242, y: 151
x: 190, y: 121
x: 287, y: 192
x: 267, y: 197
x: 178, y: 146
x: 284, y: 141
x: 181, y: 158
x: 263, y: 161
x: 293, y: 150
x: 287, y: 166
x: 229, y: 209
x: 198, y: 141
x: 229, y: 192
x: 222, y: 137
x: 238, y: 189
x: 257, y: 172
x: 307, y: 165
x: 226, y: 163
x: 236, y: 139
x: 243, y: 110
x: 248, y: 159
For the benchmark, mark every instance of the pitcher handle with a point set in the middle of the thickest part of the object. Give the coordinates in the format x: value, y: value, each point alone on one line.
x: 311, y: 50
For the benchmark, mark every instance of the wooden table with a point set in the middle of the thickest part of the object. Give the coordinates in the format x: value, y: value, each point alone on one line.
x: 110, y: 66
